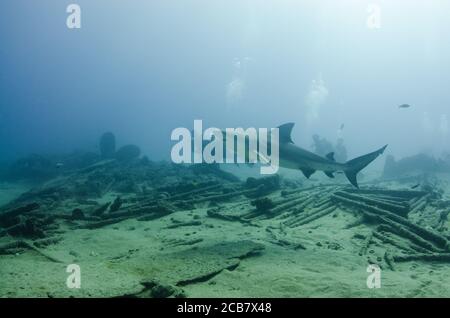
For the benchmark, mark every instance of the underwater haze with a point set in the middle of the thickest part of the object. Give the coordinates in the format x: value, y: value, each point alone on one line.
x: 143, y: 68
x: 94, y: 201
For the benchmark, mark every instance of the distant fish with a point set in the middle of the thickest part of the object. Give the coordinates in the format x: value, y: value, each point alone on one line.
x: 59, y: 165
x: 415, y: 186
x: 342, y: 127
x: 404, y: 106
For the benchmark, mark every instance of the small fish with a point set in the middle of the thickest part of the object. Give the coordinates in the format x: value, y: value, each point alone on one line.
x: 342, y: 127
x: 404, y: 106
x: 59, y: 165
x: 415, y: 186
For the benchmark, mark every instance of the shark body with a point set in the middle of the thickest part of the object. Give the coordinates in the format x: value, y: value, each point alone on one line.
x: 293, y: 157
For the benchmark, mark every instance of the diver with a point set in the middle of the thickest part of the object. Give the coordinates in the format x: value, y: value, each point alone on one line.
x: 340, y: 153
x: 321, y: 146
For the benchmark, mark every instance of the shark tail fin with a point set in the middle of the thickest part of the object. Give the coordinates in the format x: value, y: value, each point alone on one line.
x: 356, y: 165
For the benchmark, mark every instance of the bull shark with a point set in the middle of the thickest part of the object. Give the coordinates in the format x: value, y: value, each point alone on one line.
x: 285, y: 153
x: 293, y: 157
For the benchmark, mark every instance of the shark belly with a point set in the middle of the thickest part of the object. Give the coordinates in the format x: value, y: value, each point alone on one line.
x: 304, y: 164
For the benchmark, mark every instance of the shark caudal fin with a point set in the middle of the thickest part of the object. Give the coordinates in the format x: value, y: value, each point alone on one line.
x: 356, y: 165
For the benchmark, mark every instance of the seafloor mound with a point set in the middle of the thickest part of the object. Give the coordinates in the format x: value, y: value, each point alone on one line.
x: 415, y: 165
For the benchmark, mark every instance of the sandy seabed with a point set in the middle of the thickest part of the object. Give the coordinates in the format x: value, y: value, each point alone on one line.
x: 194, y: 253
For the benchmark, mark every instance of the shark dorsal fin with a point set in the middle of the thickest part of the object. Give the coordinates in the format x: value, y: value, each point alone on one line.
x: 285, y: 132
x: 330, y: 156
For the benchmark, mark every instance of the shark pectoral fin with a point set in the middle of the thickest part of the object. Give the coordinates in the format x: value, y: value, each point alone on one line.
x: 329, y: 174
x: 351, y: 176
x: 330, y: 156
x: 307, y: 172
